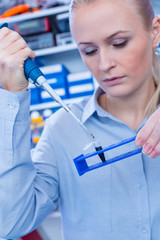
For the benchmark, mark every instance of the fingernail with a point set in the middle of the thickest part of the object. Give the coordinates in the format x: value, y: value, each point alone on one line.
x: 153, y: 154
x: 139, y: 142
x: 147, y: 148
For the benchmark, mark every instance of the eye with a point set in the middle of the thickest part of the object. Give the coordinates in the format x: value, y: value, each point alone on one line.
x: 90, y: 51
x: 120, y: 44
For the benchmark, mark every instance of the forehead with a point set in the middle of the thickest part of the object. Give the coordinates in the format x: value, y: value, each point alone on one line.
x: 103, y: 16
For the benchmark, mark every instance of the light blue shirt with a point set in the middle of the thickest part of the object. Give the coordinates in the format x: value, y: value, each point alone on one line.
x: 120, y: 201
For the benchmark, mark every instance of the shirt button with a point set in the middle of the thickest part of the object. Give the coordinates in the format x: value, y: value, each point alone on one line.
x: 139, y: 186
x: 12, y: 105
x: 143, y: 229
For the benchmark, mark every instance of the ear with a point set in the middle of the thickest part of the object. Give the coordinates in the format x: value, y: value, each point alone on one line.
x: 156, y: 32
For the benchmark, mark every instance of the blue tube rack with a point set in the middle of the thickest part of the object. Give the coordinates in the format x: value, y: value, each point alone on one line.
x: 82, y: 166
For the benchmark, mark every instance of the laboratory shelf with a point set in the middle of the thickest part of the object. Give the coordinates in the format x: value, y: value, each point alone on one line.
x: 53, y: 104
x: 38, y: 14
x: 44, y: 13
x: 56, y: 49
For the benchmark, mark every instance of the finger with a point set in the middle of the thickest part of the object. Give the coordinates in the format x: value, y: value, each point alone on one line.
x: 16, y: 60
x: 4, y: 32
x: 24, y: 54
x: 11, y: 42
x: 155, y: 152
x: 146, y: 131
x: 153, y: 139
x: 16, y: 46
x: 8, y: 38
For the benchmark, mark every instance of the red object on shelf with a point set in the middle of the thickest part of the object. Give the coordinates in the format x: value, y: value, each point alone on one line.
x: 32, y: 236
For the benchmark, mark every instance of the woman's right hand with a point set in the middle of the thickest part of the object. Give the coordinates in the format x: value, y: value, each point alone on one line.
x: 13, y: 52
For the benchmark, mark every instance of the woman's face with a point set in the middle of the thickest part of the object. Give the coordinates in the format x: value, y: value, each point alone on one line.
x: 114, y: 46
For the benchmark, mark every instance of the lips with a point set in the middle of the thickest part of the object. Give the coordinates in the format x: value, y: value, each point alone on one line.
x: 113, y: 80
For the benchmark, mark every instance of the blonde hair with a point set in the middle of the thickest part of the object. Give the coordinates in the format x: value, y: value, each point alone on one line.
x: 145, y: 10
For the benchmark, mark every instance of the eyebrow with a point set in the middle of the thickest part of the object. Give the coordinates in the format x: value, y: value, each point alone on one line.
x: 108, y: 38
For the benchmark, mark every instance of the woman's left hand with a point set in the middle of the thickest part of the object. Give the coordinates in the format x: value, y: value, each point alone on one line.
x: 149, y: 135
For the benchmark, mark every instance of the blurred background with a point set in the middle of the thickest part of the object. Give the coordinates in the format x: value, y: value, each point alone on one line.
x: 156, y: 6
x: 41, y: 4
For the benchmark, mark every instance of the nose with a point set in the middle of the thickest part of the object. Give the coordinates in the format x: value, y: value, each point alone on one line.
x: 106, y: 60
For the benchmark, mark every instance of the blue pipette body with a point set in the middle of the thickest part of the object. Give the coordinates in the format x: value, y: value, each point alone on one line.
x: 32, y: 71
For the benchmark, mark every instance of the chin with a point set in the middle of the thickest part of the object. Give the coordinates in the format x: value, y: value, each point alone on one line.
x: 118, y: 94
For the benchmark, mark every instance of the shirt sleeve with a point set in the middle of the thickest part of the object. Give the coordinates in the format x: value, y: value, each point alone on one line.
x: 28, y: 191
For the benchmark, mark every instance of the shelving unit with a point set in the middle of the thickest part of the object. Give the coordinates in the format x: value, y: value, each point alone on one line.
x: 57, y: 49
x: 38, y: 14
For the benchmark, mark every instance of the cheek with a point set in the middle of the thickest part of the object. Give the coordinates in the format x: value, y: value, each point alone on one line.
x: 92, y: 63
x: 138, y: 61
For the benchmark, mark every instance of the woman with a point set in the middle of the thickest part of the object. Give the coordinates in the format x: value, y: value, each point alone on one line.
x: 117, y: 41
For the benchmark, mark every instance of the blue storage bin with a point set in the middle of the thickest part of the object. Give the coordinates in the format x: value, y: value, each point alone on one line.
x: 60, y: 89
x: 56, y: 77
x: 57, y: 72
x: 80, y: 84
x: 35, y: 94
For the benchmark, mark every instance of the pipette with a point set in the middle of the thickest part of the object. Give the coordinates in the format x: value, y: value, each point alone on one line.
x: 34, y: 75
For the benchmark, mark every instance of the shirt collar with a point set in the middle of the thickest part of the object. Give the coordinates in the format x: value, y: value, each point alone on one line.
x: 93, y: 106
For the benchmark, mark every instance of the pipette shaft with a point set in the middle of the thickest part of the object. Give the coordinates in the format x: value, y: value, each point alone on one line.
x: 42, y: 82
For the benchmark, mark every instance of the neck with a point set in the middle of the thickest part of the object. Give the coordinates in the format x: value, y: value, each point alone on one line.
x: 130, y: 109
